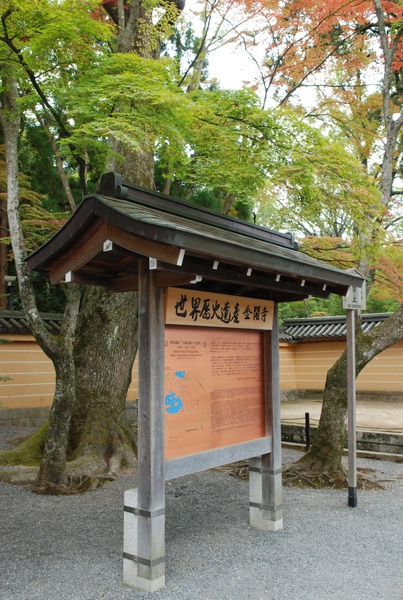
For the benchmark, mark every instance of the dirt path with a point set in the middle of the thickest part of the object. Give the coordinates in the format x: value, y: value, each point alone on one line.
x: 372, y: 415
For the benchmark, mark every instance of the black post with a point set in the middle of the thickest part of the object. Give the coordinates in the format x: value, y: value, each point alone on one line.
x: 352, y: 497
x: 307, y: 433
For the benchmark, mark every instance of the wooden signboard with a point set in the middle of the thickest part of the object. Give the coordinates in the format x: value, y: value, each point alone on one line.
x: 214, y: 389
x: 203, y: 309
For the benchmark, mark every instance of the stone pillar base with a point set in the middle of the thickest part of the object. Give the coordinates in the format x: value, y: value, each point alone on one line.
x: 264, y: 515
x: 139, y: 572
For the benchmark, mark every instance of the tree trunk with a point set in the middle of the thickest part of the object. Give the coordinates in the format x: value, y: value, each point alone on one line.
x: 101, y: 440
x: 60, y: 348
x: 138, y: 167
x: 52, y: 472
x: 326, y: 451
x: 3, y: 253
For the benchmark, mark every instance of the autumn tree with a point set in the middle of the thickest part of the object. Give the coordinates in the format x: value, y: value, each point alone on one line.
x: 342, y: 48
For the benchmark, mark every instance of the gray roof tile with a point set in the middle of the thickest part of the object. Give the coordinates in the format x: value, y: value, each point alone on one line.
x: 326, y: 327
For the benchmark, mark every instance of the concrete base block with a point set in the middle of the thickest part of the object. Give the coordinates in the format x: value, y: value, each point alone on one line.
x: 137, y: 573
x: 257, y: 522
x: 131, y: 578
x: 265, y: 508
x: 130, y: 523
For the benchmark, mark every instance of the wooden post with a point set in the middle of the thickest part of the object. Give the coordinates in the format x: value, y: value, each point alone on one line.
x: 144, y: 535
x: 265, y: 477
x: 351, y: 411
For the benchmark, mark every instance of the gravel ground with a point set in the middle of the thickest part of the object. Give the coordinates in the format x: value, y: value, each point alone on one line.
x: 70, y: 548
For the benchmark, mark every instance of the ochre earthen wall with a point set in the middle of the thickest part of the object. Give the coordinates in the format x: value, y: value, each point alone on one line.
x: 302, y: 367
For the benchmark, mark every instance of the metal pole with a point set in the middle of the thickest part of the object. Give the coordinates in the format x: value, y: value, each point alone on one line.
x: 307, y: 432
x: 351, y: 415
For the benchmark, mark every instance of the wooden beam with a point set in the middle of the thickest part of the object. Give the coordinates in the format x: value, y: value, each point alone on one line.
x: 253, y: 281
x: 272, y: 495
x: 82, y: 253
x: 144, y: 246
x: 88, y: 279
x: 130, y: 283
x: 164, y: 279
x: 124, y: 284
x: 194, y: 463
x: 93, y: 244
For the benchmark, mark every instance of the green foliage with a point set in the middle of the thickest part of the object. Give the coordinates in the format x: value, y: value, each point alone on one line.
x: 231, y: 143
x: 134, y: 99
x: 35, y: 159
x: 56, y: 37
x: 377, y: 305
x: 320, y: 190
x: 209, y: 143
x: 313, y: 307
x: 211, y: 199
x: 335, y: 251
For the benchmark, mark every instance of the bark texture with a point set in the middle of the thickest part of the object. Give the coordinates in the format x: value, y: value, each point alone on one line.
x: 101, y: 440
x: 3, y: 251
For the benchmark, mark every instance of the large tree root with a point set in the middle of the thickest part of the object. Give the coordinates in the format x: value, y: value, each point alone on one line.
x: 304, y: 476
x: 28, y: 452
x: 89, y: 471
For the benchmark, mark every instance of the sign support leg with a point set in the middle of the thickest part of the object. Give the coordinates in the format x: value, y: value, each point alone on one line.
x: 144, y: 525
x: 265, y: 473
x: 351, y: 411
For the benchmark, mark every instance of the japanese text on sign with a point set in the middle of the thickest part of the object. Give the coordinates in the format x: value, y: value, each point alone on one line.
x: 188, y: 307
x: 355, y: 298
x: 214, y: 389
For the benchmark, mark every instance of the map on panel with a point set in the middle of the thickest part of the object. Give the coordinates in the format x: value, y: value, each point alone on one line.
x: 213, y: 389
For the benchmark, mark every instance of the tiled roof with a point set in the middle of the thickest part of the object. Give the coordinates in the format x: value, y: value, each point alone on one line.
x: 325, y: 328
x: 15, y: 322
x: 107, y: 239
x: 292, y: 330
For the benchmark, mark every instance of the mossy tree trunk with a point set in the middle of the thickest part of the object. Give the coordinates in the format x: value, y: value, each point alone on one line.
x: 327, y: 447
x: 100, y: 439
x: 52, y: 471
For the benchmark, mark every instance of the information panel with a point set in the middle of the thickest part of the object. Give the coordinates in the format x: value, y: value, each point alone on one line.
x: 214, y: 392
